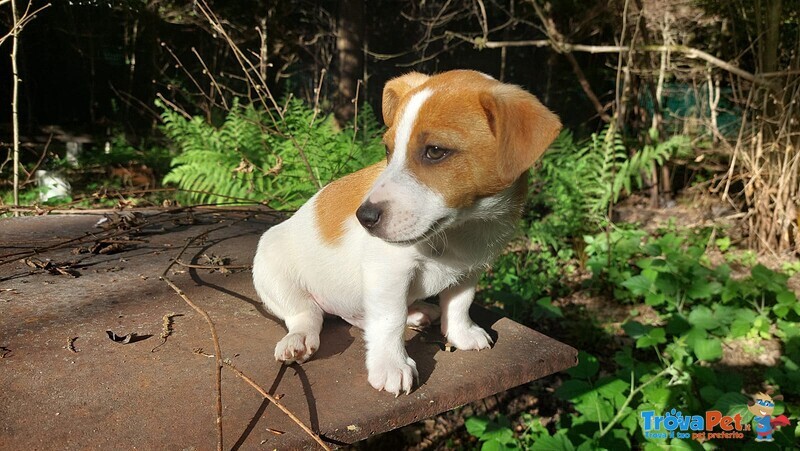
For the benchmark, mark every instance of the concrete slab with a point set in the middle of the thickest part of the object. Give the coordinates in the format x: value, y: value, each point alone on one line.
x: 108, y: 395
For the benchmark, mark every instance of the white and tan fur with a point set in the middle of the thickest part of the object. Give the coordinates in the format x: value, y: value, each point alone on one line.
x: 447, y: 200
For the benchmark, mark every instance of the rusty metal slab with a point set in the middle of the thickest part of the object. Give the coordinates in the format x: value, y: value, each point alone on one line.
x: 65, y: 384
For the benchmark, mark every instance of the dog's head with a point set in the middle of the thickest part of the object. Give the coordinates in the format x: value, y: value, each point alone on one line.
x: 452, y: 139
x: 763, y: 404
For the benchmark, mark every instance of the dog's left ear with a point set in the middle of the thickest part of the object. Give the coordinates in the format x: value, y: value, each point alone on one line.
x: 395, y: 90
x: 523, y: 127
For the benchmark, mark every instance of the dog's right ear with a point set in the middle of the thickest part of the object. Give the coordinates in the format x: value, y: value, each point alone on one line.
x: 395, y: 89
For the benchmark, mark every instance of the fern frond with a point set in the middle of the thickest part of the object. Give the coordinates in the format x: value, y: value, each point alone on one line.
x: 234, y: 159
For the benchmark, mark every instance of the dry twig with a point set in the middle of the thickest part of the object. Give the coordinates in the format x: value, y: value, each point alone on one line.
x: 217, y: 354
x: 274, y: 400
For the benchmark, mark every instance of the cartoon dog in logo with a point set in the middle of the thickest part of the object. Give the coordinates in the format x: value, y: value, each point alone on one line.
x: 762, y: 407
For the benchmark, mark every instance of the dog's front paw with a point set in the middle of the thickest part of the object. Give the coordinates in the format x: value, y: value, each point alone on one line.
x: 393, y: 375
x: 472, y: 337
x: 296, y: 347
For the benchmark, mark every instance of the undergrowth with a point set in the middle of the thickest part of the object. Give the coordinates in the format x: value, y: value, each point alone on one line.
x: 669, y: 358
x: 250, y: 157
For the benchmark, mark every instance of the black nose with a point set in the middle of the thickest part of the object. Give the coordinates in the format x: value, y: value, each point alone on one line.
x: 369, y: 214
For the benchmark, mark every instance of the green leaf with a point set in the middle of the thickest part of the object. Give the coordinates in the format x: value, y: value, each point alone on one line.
x: 638, y: 285
x: 677, y: 325
x: 496, y: 445
x: 708, y: 349
x: 740, y: 328
x: 477, y: 425
x: 732, y: 403
x: 635, y: 329
x: 685, y: 445
x: 594, y: 408
x: 656, y: 394
x: 573, y: 389
x: 499, y: 434
x: 703, y: 289
x: 703, y: 318
x: 558, y: 442
x: 586, y: 368
x: 787, y: 297
x: 710, y: 393
x: 653, y: 337
x: 655, y: 299
x: 613, y: 389
x: 547, y: 305
x: 768, y: 278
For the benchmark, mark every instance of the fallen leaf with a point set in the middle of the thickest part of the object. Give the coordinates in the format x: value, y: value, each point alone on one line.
x: 125, y: 339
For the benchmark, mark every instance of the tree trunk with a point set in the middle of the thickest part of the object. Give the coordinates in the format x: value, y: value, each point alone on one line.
x: 349, y: 44
x: 772, y: 38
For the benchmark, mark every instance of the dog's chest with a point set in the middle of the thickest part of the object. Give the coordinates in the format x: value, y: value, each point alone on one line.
x: 432, y: 277
x: 449, y: 259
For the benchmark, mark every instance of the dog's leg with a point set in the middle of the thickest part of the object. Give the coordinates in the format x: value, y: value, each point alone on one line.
x: 457, y: 326
x: 388, y: 365
x: 296, y: 307
x: 422, y: 314
x: 302, y: 339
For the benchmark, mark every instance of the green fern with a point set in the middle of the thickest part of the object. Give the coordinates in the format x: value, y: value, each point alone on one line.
x: 250, y: 158
x: 585, y: 179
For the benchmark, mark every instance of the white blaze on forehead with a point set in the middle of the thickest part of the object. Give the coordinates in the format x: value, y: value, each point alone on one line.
x: 406, y: 125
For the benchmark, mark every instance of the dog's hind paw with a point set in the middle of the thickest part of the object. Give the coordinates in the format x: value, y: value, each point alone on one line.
x: 296, y: 347
x: 472, y: 337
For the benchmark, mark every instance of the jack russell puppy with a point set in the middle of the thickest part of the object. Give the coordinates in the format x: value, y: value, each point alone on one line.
x: 425, y: 222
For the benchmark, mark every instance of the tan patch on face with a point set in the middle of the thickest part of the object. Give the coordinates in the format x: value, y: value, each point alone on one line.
x: 339, y: 200
x: 495, y: 132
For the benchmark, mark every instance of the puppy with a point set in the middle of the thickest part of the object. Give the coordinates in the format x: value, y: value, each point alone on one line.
x: 425, y: 222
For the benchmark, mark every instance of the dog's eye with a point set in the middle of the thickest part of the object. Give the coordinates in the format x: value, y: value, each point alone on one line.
x: 435, y: 153
x: 387, y: 151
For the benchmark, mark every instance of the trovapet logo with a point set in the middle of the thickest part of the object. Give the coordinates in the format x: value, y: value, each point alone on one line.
x: 762, y: 407
x: 713, y: 425
x: 674, y: 424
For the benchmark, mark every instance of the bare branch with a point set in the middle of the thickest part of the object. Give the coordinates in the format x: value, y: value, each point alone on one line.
x: 565, y: 47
